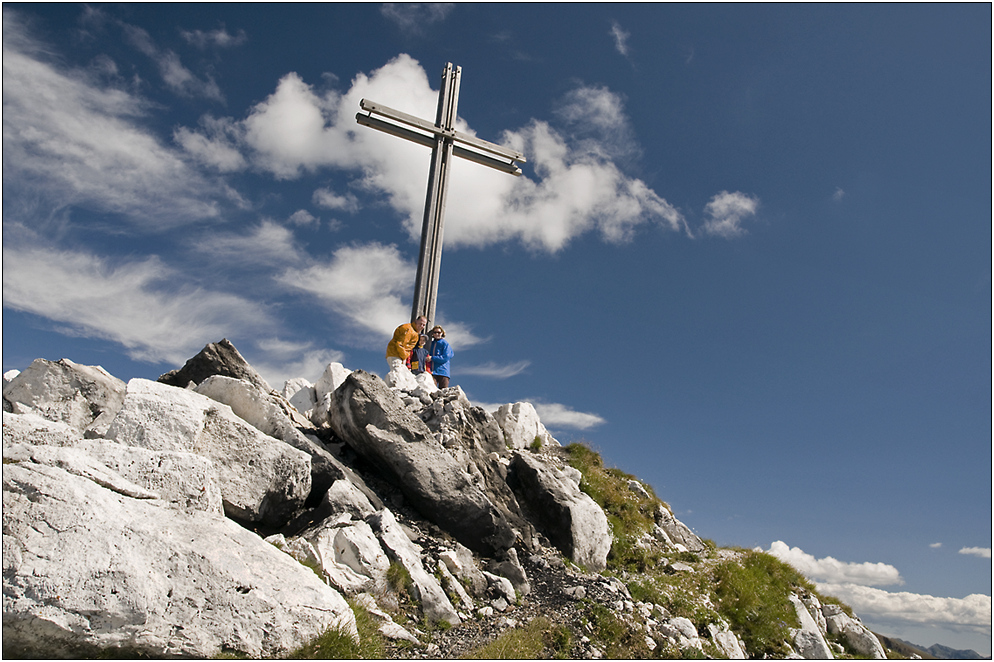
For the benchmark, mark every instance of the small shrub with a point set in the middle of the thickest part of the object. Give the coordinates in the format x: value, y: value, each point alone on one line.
x: 536, y: 444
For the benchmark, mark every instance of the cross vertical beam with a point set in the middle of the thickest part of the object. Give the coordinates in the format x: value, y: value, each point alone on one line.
x: 433, y: 225
x: 442, y: 138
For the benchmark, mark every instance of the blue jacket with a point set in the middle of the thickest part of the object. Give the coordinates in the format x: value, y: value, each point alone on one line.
x: 441, y: 353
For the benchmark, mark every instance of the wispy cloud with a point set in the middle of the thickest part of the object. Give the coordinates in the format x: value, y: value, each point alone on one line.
x: 137, y: 304
x: 71, y: 140
x: 838, y: 195
x: 219, y: 37
x: 416, y: 16
x: 554, y: 415
x: 620, y: 37
x: 982, y: 552
x: 936, y: 545
x: 726, y: 211
x: 176, y: 76
x: 877, y: 606
x: 495, y: 370
x: 832, y: 570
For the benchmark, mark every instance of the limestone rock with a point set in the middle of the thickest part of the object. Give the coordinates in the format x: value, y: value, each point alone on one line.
x: 371, y: 418
x: 857, y: 636
x: 808, y: 639
x: 220, y: 358
x: 434, y: 603
x: 674, y: 532
x: 522, y: 426
x: 570, y: 519
x: 266, y: 413
x: 89, y: 570
x: 262, y: 479
x: 84, y: 397
x: 333, y: 376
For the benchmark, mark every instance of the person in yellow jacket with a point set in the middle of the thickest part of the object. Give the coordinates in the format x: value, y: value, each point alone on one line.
x: 405, y: 338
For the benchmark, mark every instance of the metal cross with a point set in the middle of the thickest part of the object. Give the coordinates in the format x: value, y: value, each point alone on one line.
x: 442, y: 138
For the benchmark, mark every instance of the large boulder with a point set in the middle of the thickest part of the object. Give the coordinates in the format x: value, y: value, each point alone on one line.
x: 473, y: 438
x: 570, y: 519
x: 89, y: 570
x: 84, y: 397
x: 220, y: 358
x: 186, y: 480
x: 267, y: 412
x: 372, y: 419
x: 263, y: 480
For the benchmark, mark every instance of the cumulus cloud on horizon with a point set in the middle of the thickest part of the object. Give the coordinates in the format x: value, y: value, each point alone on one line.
x: 832, y: 570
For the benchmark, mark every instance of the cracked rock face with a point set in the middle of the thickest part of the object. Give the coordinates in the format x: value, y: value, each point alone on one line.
x: 373, y: 420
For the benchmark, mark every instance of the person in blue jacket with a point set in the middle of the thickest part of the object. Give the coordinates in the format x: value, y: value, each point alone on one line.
x: 441, y: 353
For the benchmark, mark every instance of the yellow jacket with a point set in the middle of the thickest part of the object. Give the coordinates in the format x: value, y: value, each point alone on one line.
x: 405, y: 338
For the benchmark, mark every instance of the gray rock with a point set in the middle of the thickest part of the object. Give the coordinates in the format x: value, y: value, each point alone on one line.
x: 676, y: 532
x: 570, y: 519
x: 220, y: 358
x: 856, y: 635
x: 84, y: 397
x: 186, y: 480
x: 434, y: 603
x: 262, y: 479
x: 371, y: 418
x: 270, y: 413
x: 90, y: 570
x: 808, y: 639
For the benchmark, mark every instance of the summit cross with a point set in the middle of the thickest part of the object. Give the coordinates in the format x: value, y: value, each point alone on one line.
x: 445, y: 142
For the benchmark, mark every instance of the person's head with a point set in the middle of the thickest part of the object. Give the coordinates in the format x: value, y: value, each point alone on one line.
x: 437, y: 332
x: 419, y: 323
x: 422, y: 339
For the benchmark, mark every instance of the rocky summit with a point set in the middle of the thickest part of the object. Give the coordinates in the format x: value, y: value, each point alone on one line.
x: 205, y: 515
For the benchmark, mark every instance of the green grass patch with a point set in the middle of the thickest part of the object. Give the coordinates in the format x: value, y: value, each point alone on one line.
x: 753, y: 595
x: 541, y: 638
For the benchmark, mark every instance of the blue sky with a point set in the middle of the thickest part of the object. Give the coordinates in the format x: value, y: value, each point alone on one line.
x: 748, y: 260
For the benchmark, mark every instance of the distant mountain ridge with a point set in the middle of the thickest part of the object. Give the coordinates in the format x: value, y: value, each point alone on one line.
x: 935, y: 651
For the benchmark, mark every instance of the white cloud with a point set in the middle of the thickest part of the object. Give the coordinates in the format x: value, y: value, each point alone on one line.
x: 936, y: 545
x: 302, y: 217
x: 177, y: 77
x: 620, y: 38
x: 834, y: 571
x: 554, y: 415
x: 366, y: 284
x: 838, y: 195
x: 415, y: 16
x: 219, y: 37
x: 726, y: 211
x: 265, y: 244
x: 495, y: 370
x: 126, y: 303
x: 982, y: 552
x: 579, y: 188
x: 324, y: 197
x: 285, y: 360
x: 874, y: 605
x: 69, y: 140
x: 215, y: 145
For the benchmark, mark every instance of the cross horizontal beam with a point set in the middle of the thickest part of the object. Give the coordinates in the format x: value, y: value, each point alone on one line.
x: 429, y: 141
x: 436, y: 132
